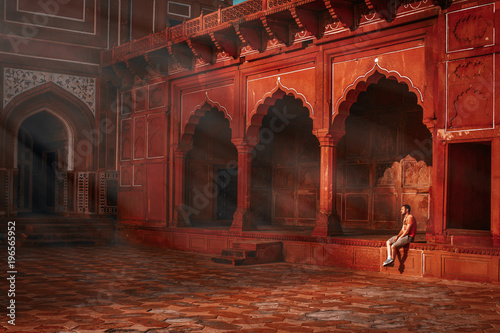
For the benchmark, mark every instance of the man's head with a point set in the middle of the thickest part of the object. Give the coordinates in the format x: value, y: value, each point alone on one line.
x: 405, y: 209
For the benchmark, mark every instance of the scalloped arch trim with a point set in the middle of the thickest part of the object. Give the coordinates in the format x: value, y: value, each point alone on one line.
x: 387, y: 73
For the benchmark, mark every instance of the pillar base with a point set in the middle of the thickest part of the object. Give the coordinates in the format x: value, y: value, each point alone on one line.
x: 181, y: 217
x: 242, y: 221
x: 327, y: 224
x: 496, y: 240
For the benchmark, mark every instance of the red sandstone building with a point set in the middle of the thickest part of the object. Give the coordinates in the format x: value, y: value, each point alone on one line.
x: 192, y: 126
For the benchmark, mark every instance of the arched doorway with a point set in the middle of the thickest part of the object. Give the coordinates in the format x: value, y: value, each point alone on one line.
x: 42, y: 152
x: 384, y: 159
x: 285, y: 167
x: 211, y: 174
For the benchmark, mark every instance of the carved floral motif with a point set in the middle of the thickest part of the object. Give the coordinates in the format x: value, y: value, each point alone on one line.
x: 17, y: 81
x: 470, y: 29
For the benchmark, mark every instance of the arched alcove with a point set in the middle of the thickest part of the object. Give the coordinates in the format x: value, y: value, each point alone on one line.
x: 384, y: 158
x: 211, y: 174
x: 285, y: 165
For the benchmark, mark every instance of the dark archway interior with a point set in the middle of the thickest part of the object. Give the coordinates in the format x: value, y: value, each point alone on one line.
x: 384, y: 159
x: 285, y: 167
x: 211, y: 176
x: 42, y: 150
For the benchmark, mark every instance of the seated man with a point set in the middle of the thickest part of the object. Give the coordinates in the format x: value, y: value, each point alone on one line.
x: 405, y: 236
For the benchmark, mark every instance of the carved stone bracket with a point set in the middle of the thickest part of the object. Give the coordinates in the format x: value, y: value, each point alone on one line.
x: 182, y: 54
x: 137, y: 67
x: 228, y: 41
x: 158, y: 62
x: 202, y: 48
x: 386, y: 9
x: 308, y: 20
x: 345, y: 12
x: 279, y: 28
x: 121, y: 70
x: 251, y: 33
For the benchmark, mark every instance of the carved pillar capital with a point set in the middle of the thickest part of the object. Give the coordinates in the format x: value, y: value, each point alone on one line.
x: 328, y: 138
x: 243, y: 146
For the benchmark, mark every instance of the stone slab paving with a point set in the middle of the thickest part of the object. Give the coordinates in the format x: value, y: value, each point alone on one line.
x: 137, y: 289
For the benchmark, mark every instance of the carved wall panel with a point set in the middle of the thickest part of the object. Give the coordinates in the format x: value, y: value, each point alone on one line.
x: 126, y: 140
x: 156, y: 135
x: 471, y: 92
x: 139, y: 137
x: 157, y: 95
x: 260, y: 177
x: 356, y: 207
x: 156, y: 189
x: 126, y: 103
x: 140, y: 99
x: 415, y: 174
x: 306, y: 205
x: 308, y: 177
x: 358, y: 175
x: 285, y: 177
x: 139, y: 175
x: 388, y: 174
x: 284, y: 205
x: 131, y: 205
x: 471, y: 28
x: 126, y: 175
x: 385, y: 209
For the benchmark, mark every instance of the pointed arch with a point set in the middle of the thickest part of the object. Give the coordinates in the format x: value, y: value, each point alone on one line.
x: 350, y: 94
x: 262, y: 107
x: 194, y: 119
x: 75, y: 116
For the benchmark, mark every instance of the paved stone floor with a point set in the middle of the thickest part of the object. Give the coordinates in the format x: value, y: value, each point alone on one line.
x: 136, y: 289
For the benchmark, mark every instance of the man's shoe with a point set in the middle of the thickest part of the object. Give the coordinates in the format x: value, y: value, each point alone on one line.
x: 388, y: 262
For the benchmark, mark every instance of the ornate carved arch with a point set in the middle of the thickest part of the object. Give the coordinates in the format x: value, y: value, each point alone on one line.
x: 196, y: 114
x: 73, y: 113
x: 261, y: 109
x: 350, y: 95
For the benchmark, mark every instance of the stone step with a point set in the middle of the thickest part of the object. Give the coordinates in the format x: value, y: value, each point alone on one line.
x: 238, y: 253
x: 251, y: 253
x: 228, y: 260
x: 255, y: 244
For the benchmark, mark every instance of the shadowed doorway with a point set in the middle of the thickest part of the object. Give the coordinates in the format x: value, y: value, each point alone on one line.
x: 42, y: 149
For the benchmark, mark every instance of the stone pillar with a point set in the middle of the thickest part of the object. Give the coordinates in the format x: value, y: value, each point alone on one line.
x: 436, y: 231
x: 495, y: 190
x: 242, y: 219
x: 181, y: 211
x: 327, y: 220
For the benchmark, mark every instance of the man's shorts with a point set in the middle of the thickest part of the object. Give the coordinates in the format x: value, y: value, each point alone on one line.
x: 401, y: 241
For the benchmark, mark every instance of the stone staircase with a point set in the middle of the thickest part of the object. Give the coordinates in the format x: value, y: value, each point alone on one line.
x: 59, y: 231
x: 251, y: 253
